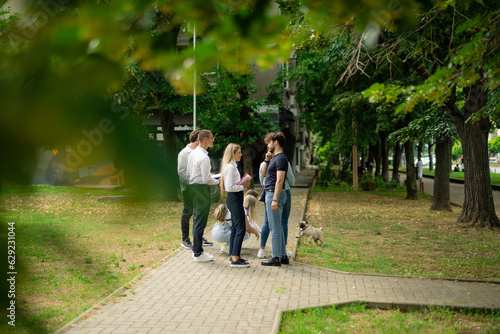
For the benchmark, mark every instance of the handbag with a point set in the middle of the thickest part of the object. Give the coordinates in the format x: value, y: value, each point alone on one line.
x: 262, y: 196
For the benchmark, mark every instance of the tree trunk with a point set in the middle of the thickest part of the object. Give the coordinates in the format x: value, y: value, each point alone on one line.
x: 441, y: 195
x: 171, y: 178
x: 478, y: 208
x: 396, y: 162
x: 245, y: 147
x: 420, y: 149
x: 247, y: 161
x: 411, y: 176
x: 431, y: 160
x: 384, y: 152
x: 378, y: 159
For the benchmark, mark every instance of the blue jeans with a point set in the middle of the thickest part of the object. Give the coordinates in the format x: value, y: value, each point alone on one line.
x: 274, y: 219
x: 264, y: 234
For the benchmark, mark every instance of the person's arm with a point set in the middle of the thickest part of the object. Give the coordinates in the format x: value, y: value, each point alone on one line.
x: 206, y: 176
x: 182, y: 167
x: 250, y: 229
x: 229, y: 177
x: 280, y: 178
x: 268, y: 157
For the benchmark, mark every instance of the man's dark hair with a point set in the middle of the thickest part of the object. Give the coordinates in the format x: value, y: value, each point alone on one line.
x: 279, y: 136
x: 193, y: 136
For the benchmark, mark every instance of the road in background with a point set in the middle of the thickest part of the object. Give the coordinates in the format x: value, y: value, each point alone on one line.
x: 456, y: 191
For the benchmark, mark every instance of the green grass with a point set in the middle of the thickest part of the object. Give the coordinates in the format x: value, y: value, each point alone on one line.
x: 72, y: 251
x: 495, y: 177
x: 357, y: 318
x: 383, y: 233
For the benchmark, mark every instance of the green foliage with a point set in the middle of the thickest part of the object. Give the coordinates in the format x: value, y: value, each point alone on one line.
x: 325, y: 177
x: 456, y: 150
x: 494, y: 145
x: 232, y: 113
x: 470, y: 56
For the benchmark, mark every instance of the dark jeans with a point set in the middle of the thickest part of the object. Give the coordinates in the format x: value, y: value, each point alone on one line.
x: 234, y: 203
x: 200, y: 195
x: 187, y: 212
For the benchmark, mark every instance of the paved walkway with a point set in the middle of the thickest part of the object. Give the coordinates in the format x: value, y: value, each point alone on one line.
x: 181, y: 296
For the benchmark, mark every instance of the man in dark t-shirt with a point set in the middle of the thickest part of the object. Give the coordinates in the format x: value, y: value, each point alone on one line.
x: 275, y: 172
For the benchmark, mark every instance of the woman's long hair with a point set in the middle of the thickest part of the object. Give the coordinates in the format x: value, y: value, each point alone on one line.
x: 250, y: 203
x: 227, y: 159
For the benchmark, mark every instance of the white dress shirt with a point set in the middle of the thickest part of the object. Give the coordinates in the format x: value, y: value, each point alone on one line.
x: 231, y: 178
x: 198, y: 167
x: 182, y: 161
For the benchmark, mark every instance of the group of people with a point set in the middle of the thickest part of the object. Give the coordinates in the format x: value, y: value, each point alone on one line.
x: 236, y: 220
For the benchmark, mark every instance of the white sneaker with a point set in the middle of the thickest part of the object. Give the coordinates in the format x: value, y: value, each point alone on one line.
x: 288, y: 253
x: 224, y: 249
x: 261, y: 254
x: 204, y: 257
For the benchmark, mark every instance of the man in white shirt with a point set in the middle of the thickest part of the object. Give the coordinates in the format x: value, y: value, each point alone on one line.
x: 200, y: 180
x: 187, y: 212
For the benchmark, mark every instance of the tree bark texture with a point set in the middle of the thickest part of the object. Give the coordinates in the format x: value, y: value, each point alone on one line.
x: 396, y: 162
x: 245, y: 147
x: 411, y: 176
x: 431, y: 160
x: 478, y: 208
x: 384, y: 150
x: 441, y: 194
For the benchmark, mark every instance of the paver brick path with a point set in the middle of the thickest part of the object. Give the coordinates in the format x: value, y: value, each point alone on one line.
x: 183, y: 296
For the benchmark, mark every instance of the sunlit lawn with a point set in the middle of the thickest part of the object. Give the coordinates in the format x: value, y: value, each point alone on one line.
x: 76, y: 250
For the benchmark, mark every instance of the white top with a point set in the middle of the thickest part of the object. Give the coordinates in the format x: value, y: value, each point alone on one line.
x: 420, y: 169
x: 182, y: 161
x: 198, y: 167
x: 231, y: 178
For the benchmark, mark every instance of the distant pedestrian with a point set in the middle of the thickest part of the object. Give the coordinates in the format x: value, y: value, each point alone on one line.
x: 200, y: 180
x: 230, y: 177
x: 275, y: 173
x: 420, y: 169
x: 187, y: 212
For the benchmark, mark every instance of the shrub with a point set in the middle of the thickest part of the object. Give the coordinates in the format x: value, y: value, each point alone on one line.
x: 365, y: 184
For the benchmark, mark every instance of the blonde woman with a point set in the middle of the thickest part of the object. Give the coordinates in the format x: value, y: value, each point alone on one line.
x: 230, y: 176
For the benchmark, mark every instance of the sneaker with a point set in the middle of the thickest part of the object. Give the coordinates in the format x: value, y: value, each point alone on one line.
x: 261, y: 254
x: 288, y: 253
x: 272, y: 261
x: 207, y: 243
x: 187, y: 244
x: 204, y: 257
x: 224, y: 249
x: 240, y: 263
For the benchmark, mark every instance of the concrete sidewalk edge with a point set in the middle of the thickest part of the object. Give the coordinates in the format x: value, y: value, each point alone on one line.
x: 67, y: 326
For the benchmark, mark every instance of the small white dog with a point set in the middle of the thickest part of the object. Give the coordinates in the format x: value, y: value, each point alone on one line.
x: 311, y: 232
